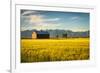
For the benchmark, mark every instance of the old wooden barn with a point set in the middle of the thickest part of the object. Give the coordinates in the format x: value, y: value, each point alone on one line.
x: 40, y: 35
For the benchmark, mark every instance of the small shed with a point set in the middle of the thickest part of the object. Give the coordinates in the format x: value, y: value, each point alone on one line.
x: 40, y: 35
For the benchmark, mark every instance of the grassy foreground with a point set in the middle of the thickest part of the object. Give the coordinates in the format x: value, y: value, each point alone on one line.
x: 42, y: 50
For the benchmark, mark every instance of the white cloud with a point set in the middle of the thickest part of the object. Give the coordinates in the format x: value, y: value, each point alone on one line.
x: 28, y: 13
x: 34, y: 20
x: 46, y: 26
x: 53, y: 19
x: 75, y: 18
x: 38, y: 20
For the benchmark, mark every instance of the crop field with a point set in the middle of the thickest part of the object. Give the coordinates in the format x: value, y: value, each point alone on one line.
x: 44, y: 50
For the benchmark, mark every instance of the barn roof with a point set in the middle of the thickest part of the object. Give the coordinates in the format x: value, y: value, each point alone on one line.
x: 42, y: 32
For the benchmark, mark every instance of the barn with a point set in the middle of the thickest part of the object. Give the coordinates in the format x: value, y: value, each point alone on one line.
x: 40, y: 35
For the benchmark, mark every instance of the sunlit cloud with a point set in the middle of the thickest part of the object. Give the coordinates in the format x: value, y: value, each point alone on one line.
x: 39, y: 20
x: 31, y: 19
x: 36, y: 19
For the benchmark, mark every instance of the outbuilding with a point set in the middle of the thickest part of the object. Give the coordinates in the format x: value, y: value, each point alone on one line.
x: 40, y: 35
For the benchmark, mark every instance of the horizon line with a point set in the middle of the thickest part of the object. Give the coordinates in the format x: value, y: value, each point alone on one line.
x: 55, y: 29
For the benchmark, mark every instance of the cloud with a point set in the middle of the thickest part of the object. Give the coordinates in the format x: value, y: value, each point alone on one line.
x: 29, y: 13
x: 41, y: 20
x: 45, y: 26
x: 34, y: 19
x: 53, y: 19
x: 75, y: 18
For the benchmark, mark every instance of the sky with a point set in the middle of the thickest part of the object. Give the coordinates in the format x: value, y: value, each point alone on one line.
x: 45, y: 20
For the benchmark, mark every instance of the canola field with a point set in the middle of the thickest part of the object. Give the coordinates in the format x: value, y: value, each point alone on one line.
x: 45, y: 50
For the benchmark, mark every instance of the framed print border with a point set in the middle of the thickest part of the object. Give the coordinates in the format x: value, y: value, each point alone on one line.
x: 16, y: 66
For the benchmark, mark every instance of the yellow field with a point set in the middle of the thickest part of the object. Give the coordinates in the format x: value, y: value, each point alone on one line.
x: 42, y: 50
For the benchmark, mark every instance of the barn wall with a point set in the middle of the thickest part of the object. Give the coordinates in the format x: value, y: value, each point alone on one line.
x: 34, y: 35
x: 42, y: 36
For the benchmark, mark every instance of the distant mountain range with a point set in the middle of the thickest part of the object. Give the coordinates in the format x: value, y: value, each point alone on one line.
x: 57, y: 33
